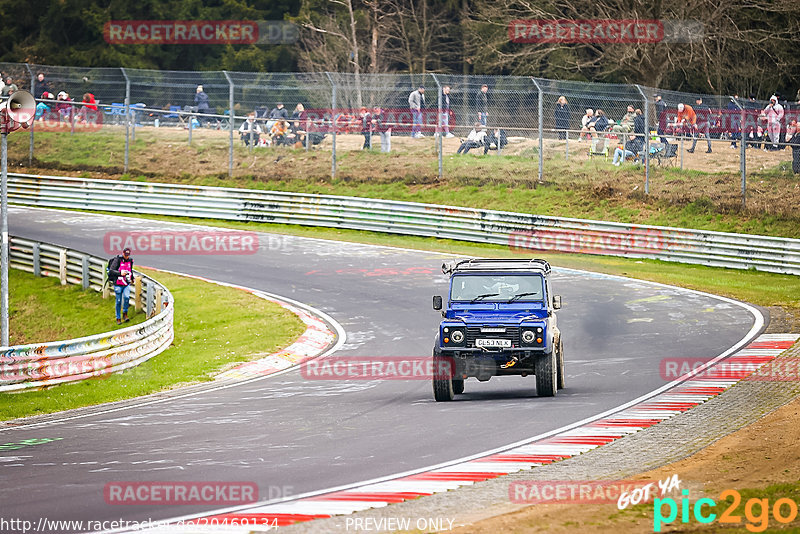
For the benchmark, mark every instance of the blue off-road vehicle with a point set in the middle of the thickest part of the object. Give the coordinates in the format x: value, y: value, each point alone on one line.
x: 499, y: 320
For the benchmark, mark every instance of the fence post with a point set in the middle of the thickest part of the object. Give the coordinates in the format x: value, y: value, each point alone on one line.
x: 106, y: 288
x: 37, y: 260
x: 742, y: 152
x: 149, y: 299
x: 646, y: 141
x: 62, y: 266
x: 541, y: 126
x: 439, y: 124
x: 231, y: 116
x: 191, y: 123
x: 137, y: 294
x: 158, y: 300
x: 85, y: 271
x: 333, y: 119
x: 33, y: 83
x: 127, y: 116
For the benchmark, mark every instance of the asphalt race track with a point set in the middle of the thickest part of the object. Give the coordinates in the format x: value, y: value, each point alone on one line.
x: 293, y: 435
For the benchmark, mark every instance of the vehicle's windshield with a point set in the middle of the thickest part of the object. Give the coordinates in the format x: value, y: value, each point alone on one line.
x: 494, y: 288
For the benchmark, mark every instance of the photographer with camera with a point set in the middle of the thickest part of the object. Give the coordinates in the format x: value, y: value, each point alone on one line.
x: 120, y: 275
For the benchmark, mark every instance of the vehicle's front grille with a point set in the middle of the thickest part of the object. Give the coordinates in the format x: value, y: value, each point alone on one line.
x: 474, y: 332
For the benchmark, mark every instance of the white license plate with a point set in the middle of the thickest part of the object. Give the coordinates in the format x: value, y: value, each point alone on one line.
x: 502, y: 343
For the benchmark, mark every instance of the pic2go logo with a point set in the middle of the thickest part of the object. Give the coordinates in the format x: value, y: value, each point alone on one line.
x: 756, y: 511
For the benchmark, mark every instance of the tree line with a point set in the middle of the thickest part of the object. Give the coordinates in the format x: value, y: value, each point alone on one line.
x: 744, y: 46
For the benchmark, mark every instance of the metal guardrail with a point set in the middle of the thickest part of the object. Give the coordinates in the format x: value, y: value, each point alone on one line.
x: 521, y: 232
x: 44, y: 364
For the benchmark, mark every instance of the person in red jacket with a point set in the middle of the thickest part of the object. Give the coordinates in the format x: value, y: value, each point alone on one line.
x: 686, y: 121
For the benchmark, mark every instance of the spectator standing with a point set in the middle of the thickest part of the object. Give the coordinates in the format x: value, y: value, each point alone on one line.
x: 626, y: 123
x: 734, y: 120
x: 120, y: 274
x: 638, y: 124
x: 661, y: 116
x: 416, y: 101
x: 384, y: 129
x: 702, y: 124
x: 41, y: 86
x: 561, y: 115
x: 201, y: 103
x: 366, y: 128
x: 586, y: 121
x: 9, y: 88
x: 774, y: 114
x: 446, y: 111
x: 250, y: 130
x: 482, y: 104
x: 475, y: 139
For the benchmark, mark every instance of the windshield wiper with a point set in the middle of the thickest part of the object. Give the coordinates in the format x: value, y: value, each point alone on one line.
x: 515, y: 297
x: 479, y: 297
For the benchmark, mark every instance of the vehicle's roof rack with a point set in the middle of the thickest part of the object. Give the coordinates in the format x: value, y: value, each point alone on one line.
x: 496, y: 264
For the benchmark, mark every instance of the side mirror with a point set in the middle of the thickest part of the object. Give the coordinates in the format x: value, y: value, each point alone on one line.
x: 437, y: 302
x: 556, y: 302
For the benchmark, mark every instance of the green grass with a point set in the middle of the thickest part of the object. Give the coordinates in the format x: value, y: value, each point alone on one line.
x: 41, y: 309
x: 215, y: 327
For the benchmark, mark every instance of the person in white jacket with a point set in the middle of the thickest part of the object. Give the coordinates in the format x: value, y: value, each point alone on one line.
x: 774, y: 114
x: 475, y: 139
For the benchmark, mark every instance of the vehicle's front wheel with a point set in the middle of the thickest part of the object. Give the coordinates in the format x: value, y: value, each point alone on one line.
x: 560, y: 361
x: 546, y: 375
x: 443, y: 383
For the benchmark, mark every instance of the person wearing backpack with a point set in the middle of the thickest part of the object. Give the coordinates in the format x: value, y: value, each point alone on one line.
x: 120, y: 275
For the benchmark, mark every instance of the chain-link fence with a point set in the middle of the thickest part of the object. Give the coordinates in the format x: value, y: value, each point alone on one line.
x: 128, y: 119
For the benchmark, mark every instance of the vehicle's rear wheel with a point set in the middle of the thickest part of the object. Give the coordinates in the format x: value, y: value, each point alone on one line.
x: 546, y: 375
x: 443, y: 387
x: 458, y: 386
x: 560, y: 361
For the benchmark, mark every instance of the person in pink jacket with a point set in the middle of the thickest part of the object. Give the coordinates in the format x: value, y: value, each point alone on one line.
x: 774, y: 114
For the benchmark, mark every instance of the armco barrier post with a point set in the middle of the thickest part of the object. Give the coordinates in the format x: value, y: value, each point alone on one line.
x: 85, y: 271
x: 37, y: 260
x: 232, y: 119
x: 149, y: 299
x: 137, y: 294
x: 62, y: 266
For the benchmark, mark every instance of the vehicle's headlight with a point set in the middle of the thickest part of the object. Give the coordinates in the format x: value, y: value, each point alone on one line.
x: 457, y: 336
x: 528, y: 336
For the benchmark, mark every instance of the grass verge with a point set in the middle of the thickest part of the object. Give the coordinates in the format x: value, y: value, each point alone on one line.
x: 215, y: 327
